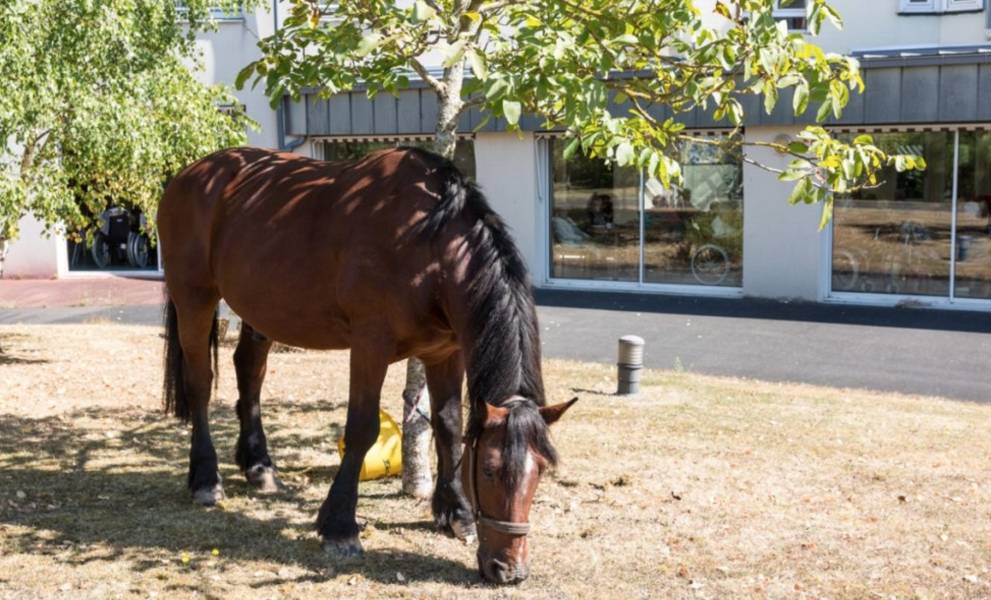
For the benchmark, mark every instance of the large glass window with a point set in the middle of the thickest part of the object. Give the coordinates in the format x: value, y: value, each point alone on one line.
x: 464, y: 153
x: 973, y: 252
x: 608, y: 223
x: 694, y: 234
x: 895, y: 239
x: 595, y: 219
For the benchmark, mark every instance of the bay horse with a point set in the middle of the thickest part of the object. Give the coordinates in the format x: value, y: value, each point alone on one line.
x: 396, y: 255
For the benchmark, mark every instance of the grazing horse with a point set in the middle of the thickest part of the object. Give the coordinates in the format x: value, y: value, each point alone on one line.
x: 395, y: 255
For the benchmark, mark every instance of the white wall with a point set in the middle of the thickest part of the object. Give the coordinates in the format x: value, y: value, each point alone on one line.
x: 33, y: 254
x: 782, y: 245
x: 227, y: 50
x: 506, y: 168
x: 876, y: 24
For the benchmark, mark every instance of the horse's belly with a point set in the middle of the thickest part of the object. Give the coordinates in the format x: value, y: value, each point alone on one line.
x: 293, y: 324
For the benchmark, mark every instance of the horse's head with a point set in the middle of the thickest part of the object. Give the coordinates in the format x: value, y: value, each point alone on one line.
x: 503, y: 464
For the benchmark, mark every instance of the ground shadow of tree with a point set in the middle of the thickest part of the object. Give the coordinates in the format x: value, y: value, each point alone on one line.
x: 10, y: 354
x: 65, y: 486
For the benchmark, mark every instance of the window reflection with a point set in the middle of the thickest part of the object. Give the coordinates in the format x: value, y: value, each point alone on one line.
x: 693, y: 234
x: 895, y: 239
x: 595, y: 219
x: 973, y: 253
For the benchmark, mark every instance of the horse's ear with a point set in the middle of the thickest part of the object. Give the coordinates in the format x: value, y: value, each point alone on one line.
x: 552, y: 413
x: 494, y: 415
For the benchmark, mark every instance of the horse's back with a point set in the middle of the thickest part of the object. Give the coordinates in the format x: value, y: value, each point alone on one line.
x: 301, y: 248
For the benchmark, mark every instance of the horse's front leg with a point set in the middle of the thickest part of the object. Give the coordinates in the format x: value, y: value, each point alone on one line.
x: 336, y: 522
x: 451, y: 508
x: 250, y: 361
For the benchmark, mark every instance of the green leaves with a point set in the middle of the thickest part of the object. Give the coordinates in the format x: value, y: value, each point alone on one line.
x: 620, y: 76
x: 102, y: 107
x: 511, y: 109
x: 478, y: 66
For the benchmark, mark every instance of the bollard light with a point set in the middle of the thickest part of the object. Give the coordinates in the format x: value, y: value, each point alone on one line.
x: 630, y: 364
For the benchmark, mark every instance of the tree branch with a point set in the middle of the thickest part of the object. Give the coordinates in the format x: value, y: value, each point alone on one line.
x: 437, y: 85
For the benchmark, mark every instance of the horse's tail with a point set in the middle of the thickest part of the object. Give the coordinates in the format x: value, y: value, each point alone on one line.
x: 174, y: 387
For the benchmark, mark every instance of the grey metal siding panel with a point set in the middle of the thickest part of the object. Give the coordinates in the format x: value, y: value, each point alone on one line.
x: 474, y: 117
x: 528, y: 122
x: 753, y: 108
x: 495, y: 124
x: 920, y: 94
x: 428, y: 111
x: 362, y: 115
x: 910, y: 93
x: 661, y: 112
x: 385, y: 114
x: 984, y: 91
x: 296, y: 119
x: 883, y: 96
x: 853, y: 113
x: 319, y: 115
x: 958, y: 93
x: 690, y: 119
x: 705, y: 117
x: 408, y: 112
x: 340, y: 114
x: 783, y: 113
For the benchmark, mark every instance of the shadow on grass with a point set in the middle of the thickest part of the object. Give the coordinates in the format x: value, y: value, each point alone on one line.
x: 72, y: 487
x: 8, y: 355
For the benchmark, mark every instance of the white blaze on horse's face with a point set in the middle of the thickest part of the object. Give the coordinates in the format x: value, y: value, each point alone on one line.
x: 502, y: 511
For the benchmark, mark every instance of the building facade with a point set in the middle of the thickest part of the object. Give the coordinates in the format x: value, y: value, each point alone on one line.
x: 921, y: 238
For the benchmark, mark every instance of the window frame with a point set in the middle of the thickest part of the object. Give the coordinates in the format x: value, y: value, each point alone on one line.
x: 954, y: 6
x: 787, y: 12
x: 916, y: 7
x: 938, y: 7
x: 217, y: 13
x: 544, y: 213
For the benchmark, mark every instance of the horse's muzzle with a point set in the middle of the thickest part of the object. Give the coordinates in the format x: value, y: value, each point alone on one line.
x: 496, y: 571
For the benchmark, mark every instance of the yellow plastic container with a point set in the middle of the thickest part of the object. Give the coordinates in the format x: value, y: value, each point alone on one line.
x: 385, y: 457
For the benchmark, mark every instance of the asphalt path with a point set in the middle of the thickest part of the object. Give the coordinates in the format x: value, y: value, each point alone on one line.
x: 916, y: 351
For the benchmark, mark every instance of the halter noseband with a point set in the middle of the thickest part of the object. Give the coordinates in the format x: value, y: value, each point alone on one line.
x: 504, y: 527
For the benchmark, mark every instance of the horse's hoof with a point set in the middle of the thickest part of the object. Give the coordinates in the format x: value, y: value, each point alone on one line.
x: 343, y: 548
x: 209, y: 496
x: 263, y: 479
x: 466, y: 532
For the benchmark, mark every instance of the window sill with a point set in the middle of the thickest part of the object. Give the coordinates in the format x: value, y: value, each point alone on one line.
x: 938, y: 13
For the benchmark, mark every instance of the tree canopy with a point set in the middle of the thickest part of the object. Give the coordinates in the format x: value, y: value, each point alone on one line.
x: 100, y: 105
x: 573, y: 62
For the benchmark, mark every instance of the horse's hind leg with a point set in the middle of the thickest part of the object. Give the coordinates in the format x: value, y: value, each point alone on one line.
x: 336, y: 522
x: 250, y: 360
x: 196, y: 317
x: 451, y: 509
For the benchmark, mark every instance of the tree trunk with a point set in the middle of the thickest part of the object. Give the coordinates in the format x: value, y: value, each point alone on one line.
x: 417, y: 480
x: 3, y: 254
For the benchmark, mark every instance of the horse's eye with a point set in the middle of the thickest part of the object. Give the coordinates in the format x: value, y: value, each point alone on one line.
x: 488, y: 472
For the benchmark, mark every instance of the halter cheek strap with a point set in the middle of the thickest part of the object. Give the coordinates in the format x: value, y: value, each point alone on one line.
x: 504, y: 527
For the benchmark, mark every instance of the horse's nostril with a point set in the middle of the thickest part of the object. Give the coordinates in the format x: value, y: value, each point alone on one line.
x: 498, y: 571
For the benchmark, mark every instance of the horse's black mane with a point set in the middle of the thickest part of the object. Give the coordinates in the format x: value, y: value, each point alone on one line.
x: 505, y: 361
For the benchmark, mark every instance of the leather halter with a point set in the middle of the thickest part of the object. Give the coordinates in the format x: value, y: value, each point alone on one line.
x: 504, y: 527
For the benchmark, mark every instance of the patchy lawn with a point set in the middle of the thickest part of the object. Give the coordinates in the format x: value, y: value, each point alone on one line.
x: 702, y: 487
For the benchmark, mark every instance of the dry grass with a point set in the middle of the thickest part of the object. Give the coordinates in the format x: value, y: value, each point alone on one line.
x: 702, y: 487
